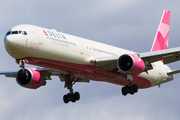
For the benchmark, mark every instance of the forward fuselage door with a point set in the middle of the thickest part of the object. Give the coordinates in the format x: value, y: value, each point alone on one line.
x: 39, y: 37
x: 81, y: 47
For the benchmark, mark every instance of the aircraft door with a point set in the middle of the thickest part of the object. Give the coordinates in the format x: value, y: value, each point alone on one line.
x: 81, y: 50
x: 40, y: 37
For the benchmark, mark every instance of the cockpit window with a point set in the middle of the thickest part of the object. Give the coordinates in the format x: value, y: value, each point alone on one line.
x: 16, y: 32
x: 8, y: 33
x: 24, y: 33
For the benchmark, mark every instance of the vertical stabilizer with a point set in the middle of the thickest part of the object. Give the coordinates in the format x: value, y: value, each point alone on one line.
x: 162, y: 36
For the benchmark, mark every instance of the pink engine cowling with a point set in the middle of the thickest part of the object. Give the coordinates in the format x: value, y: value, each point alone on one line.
x: 29, y: 78
x: 130, y: 64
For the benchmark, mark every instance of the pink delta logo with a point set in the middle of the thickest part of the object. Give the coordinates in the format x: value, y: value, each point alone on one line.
x: 45, y: 32
x: 54, y: 34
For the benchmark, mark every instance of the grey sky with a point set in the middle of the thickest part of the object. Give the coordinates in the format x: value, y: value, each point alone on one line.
x: 123, y: 23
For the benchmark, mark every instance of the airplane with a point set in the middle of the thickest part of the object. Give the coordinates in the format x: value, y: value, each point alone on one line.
x: 75, y: 59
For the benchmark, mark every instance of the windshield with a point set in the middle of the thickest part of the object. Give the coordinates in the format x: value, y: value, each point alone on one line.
x: 16, y: 32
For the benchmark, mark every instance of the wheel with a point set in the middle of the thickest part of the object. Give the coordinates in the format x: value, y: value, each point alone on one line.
x: 124, y: 91
x: 135, y: 88
x: 77, y: 95
x: 131, y: 90
x: 127, y: 89
x: 65, y: 98
x: 73, y: 98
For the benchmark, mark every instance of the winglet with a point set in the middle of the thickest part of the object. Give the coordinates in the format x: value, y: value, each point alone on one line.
x: 162, y: 36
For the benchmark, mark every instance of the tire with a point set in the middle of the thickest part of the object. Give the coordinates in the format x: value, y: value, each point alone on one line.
x: 77, y: 95
x: 73, y: 98
x: 65, y: 99
x: 124, y: 91
x: 135, y: 88
x: 131, y: 90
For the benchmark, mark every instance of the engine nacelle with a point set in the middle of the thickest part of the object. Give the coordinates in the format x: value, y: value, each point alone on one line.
x: 130, y: 64
x: 29, y: 78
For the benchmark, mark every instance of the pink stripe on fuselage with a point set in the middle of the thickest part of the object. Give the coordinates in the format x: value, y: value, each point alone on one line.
x: 88, y: 72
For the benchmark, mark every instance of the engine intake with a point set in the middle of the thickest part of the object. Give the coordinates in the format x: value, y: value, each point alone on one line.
x: 130, y: 64
x: 29, y: 78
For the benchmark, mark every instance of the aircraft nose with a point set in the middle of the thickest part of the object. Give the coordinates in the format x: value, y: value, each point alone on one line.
x: 10, y: 42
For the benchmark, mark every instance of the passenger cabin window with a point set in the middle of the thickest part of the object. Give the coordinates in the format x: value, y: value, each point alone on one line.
x: 16, y: 32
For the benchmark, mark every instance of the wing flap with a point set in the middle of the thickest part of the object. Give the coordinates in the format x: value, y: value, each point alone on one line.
x: 171, y: 58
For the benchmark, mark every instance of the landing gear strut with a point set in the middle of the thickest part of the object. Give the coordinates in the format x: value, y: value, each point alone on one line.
x: 22, y: 65
x: 71, y: 96
x: 22, y: 62
x: 129, y: 88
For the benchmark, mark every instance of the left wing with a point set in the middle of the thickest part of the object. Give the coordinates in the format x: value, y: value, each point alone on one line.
x: 11, y: 73
x: 167, y: 55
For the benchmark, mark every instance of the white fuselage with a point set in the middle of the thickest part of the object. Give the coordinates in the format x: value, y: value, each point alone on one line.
x: 49, y: 48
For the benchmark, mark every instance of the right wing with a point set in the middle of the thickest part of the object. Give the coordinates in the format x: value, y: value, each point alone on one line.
x: 11, y: 73
x: 46, y: 74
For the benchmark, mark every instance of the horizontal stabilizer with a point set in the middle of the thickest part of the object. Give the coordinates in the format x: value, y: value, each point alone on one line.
x: 173, y: 72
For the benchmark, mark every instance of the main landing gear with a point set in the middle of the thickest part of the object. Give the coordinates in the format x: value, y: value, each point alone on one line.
x: 129, y: 88
x: 71, y: 96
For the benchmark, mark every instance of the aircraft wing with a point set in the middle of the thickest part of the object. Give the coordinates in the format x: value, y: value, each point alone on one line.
x: 45, y: 72
x: 107, y: 63
x: 11, y: 73
x: 167, y: 55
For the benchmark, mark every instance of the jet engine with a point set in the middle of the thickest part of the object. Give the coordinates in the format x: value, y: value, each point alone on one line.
x: 130, y: 64
x: 29, y: 78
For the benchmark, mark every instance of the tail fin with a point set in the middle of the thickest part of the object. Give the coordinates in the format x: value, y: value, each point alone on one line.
x: 162, y: 36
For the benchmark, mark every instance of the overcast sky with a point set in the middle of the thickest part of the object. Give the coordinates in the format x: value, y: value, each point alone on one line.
x: 130, y: 24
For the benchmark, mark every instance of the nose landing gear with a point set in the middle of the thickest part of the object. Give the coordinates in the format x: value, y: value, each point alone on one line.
x: 22, y: 65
